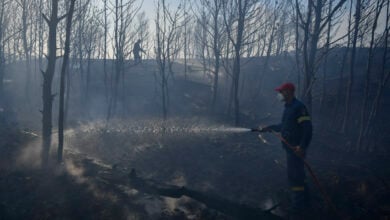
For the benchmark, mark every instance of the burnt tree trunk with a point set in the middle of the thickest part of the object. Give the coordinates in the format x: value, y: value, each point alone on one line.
x: 2, y: 59
x: 347, y: 110
x: 325, y: 68
x: 297, y: 50
x: 305, y: 50
x: 242, y: 10
x: 363, y: 113
x: 383, y: 78
x: 310, y: 67
x: 47, y: 96
x: 118, y: 61
x: 105, y: 51
x: 26, y: 49
x: 340, y: 89
x: 265, y: 67
x: 216, y: 51
x: 62, y: 81
x: 313, y: 26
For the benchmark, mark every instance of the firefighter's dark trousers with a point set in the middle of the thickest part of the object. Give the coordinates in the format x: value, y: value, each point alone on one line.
x: 137, y: 57
x: 296, y: 179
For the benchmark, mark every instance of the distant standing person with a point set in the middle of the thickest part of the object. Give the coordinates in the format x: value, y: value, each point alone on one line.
x: 296, y: 129
x: 136, y: 51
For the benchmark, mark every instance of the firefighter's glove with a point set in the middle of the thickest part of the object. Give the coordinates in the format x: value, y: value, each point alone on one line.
x: 298, y: 150
x: 264, y: 129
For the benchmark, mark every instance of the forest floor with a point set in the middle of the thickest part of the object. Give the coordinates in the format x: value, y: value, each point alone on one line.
x: 221, y: 167
x: 93, y: 182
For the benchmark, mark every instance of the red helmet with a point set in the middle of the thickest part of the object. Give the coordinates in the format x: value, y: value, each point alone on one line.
x: 286, y: 86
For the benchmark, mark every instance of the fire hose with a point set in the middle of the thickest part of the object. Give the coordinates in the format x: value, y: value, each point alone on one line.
x: 308, y: 167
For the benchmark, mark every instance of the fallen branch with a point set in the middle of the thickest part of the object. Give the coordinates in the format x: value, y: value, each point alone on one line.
x: 239, y: 211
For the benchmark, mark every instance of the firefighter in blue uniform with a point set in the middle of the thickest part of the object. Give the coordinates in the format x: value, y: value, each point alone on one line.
x: 296, y: 129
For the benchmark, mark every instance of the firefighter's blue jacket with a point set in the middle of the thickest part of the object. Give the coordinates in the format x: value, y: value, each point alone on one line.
x: 296, y: 126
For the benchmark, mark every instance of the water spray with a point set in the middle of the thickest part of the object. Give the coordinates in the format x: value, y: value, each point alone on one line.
x: 158, y: 127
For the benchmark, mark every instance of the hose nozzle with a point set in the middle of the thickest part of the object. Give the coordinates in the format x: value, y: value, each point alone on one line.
x: 255, y: 130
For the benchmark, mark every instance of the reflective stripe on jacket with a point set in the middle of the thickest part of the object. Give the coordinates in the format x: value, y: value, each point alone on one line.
x: 296, y: 126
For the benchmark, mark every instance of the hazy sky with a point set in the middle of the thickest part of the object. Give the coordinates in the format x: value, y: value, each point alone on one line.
x: 149, y: 6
